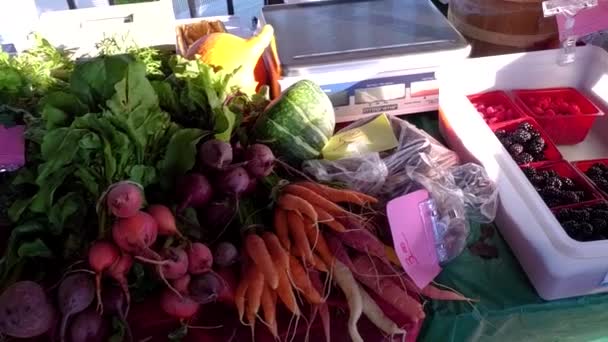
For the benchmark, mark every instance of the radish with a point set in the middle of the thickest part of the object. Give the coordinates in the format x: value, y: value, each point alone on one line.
x: 215, y: 154
x: 200, y: 258
x: 176, y: 306
x: 193, y: 191
x: 260, y: 160
x: 225, y: 254
x: 206, y: 288
x: 125, y: 198
x: 176, y: 263
x: 234, y: 182
x: 25, y: 310
x: 181, y: 284
x: 165, y: 220
x: 102, y: 255
x: 89, y: 326
x: 76, y: 292
x: 135, y: 234
x: 118, y: 271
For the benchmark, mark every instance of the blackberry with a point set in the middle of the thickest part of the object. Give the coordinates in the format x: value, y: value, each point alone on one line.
x: 549, y: 173
x: 564, y: 214
x: 598, y: 213
x: 554, y: 182
x: 595, y: 172
x: 538, y: 156
x: 603, y: 167
x: 521, y: 136
x: 526, y: 127
x: 524, y: 158
x: 552, y: 202
x: 585, y: 231
x: 599, y: 224
x: 581, y: 194
x: 538, y: 140
x: 580, y: 215
x: 535, y: 134
x: 570, y: 227
x: 506, y: 141
x: 537, y: 180
x: 551, y: 192
x: 516, y: 149
x: 568, y: 183
x: 501, y: 133
x: 601, y: 183
x: 599, y: 208
x: 529, y: 172
x: 534, y: 147
x: 571, y: 197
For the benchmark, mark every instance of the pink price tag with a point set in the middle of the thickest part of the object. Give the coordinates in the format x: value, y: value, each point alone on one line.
x: 413, y: 237
x: 12, y: 154
x: 586, y: 21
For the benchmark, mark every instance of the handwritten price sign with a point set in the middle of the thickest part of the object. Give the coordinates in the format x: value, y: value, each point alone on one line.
x: 586, y: 21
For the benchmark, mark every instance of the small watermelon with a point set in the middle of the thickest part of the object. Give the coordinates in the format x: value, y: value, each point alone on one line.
x: 298, y: 124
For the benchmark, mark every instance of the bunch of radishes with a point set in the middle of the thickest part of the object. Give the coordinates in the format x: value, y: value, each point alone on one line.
x: 223, y: 175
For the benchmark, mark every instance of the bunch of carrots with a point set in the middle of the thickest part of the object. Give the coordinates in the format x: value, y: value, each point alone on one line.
x: 315, y: 237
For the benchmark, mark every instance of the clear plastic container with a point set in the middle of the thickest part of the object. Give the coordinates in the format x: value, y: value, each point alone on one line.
x: 496, y: 107
x: 551, y: 153
x: 564, y: 113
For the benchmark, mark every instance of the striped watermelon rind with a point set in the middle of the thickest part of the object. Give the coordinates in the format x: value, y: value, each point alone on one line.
x: 299, y: 123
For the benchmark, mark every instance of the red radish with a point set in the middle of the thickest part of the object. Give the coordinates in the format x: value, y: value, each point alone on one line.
x: 176, y: 265
x: 25, y: 310
x: 102, y: 255
x: 200, y: 258
x: 118, y: 271
x: 165, y: 220
x: 193, y: 191
x: 181, y: 284
x: 76, y: 292
x: 125, y: 198
x: 176, y: 306
x: 135, y: 234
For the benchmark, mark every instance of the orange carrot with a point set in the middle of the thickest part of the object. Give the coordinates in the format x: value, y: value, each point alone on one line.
x: 338, y: 195
x: 318, y: 264
x: 254, y: 294
x: 298, y: 233
x: 256, y: 249
x: 302, y: 283
x: 281, y: 228
x: 269, y: 304
x: 241, y: 290
x: 295, y: 203
x: 317, y: 240
x: 278, y: 254
x: 319, y: 201
x: 285, y: 293
x: 328, y: 220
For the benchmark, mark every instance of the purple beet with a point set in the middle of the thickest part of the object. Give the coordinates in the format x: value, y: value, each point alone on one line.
x: 193, y: 191
x: 89, y: 326
x: 76, y: 292
x: 215, y: 154
x: 25, y: 310
x: 260, y: 160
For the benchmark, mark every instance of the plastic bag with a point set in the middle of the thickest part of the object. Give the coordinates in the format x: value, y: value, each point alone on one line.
x: 598, y: 39
x: 459, y: 192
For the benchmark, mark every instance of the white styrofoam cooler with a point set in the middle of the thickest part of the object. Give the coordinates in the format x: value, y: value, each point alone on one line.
x: 557, y: 265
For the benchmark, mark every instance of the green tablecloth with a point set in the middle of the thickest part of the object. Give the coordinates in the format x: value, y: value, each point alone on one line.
x: 508, y: 308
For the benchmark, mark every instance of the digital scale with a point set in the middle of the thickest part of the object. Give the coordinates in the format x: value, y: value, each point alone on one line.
x: 369, y: 56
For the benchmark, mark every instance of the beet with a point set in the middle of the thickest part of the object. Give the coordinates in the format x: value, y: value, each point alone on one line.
x: 215, y: 154
x: 176, y: 306
x: 225, y: 254
x: 76, y: 292
x: 205, y: 288
x: 116, y: 304
x: 25, y: 310
x: 260, y: 160
x: 135, y: 234
x: 177, y: 263
x: 125, y: 198
x: 89, y: 326
x: 193, y: 191
x: 218, y: 214
x: 233, y: 182
x: 200, y: 258
x: 165, y: 220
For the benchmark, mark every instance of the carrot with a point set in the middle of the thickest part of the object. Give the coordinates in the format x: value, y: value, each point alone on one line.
x: 384, y: 269
x: 254, y: 294
x: 257, y: 251
x: 318, y: 264
x: 328, y: 220
x: 302, y: 282
x: 295, y: 203
x: 319, y: 201
x: 345, y: 280
x: 316, y: 239
x: 241, y: 290
x: 285, y: 293
x: 269, y: 303
x: 338, y: 195
x: 386, y: 288
x: 298, y: 233
x: 281, y: 228
x: 433, y: 292
x: 375, y: 314
x: 278, y: 254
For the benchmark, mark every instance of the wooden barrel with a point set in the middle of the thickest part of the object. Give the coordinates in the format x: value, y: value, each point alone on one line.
x: 503, y: 26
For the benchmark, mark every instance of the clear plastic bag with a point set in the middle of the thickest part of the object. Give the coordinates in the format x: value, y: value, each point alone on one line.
x: 459, y: 192
x: 598, y: 39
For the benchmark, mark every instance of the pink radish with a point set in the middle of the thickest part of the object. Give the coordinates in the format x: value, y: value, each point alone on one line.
x: 135, y: 234
x: 181, y: 284
x: 176, y: 263
x: 165, y: 220
x: 176, y: 306
x: 200, y: 258
x: 125, y: 198
x: 118, y: 271
x: 102, y: 255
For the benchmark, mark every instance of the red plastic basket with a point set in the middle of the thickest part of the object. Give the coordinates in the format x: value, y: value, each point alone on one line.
x: 551, y: 152
x: 496, y: 100
x: 585, y: 165
x: 570, y: 129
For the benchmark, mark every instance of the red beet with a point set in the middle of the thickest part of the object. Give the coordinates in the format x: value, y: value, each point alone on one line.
x: 125, y: 198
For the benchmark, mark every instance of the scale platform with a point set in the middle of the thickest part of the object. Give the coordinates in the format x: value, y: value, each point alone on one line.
x: 369, y: 56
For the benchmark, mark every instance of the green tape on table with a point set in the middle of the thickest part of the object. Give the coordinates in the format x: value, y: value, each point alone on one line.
x: 508, y: 308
